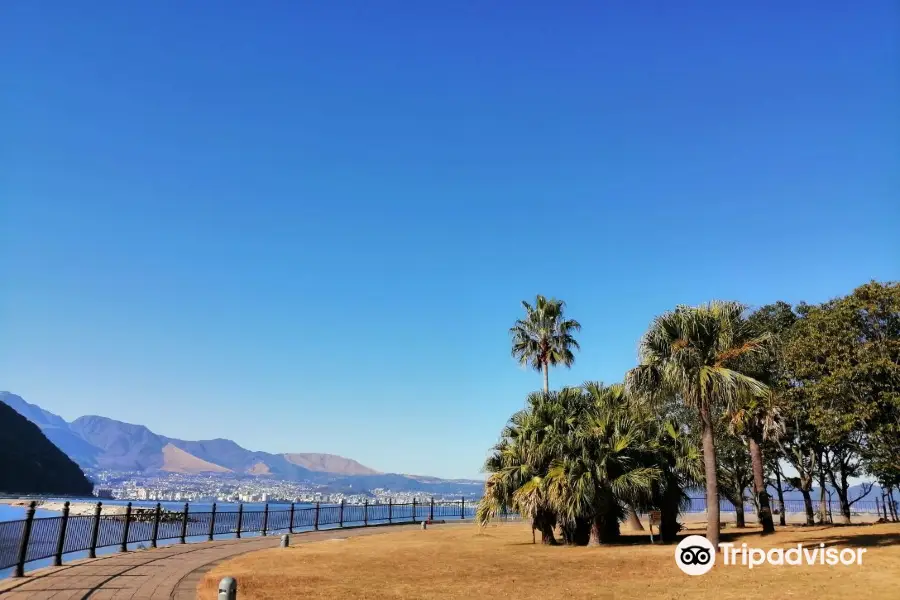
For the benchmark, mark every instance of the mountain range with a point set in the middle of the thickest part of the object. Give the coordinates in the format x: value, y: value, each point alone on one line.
x: 102, y: 443
x: 32, y: 463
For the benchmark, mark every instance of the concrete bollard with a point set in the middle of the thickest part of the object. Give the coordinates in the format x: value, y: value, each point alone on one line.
x: 285, y: 541
x: 424, y: 525
x: 228, y: 589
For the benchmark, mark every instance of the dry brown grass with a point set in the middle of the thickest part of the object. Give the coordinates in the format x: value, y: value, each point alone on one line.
x: 458, y: 561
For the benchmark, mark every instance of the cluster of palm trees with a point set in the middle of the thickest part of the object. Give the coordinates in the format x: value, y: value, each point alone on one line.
x: 580, y: 460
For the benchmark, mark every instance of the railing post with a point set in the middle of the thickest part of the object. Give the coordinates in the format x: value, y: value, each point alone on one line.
x: 462, y: 508
x: 154, y: 535
x: 390, y: 510
x: 212, y: 523
x: 23, y: 542
x: 291, y: 524
x: 366, y: 512
x: 240, y: 519
x: 431, y: 512
x: 414, y: 510
x: 265, y: 518
x: 342, y: 513
x: 316, y: 525
x: 95, y: 531
x: 61, y: 540
x: 184, y: 521
x: 123, y: 547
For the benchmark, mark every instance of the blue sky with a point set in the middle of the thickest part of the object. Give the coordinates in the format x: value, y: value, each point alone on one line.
x: 309, y: 228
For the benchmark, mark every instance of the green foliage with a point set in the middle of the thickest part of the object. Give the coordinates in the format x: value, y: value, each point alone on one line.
x: 544, y: 338
x: 579, y: 456
x: 844, y: 357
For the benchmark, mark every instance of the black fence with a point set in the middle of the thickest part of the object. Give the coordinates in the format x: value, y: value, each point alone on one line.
x: 34, y: 539
x: 858, y: 508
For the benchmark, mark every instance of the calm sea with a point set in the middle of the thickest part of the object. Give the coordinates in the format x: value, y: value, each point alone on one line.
x: 13, y: 513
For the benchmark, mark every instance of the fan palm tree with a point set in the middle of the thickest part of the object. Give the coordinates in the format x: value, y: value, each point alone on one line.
x: 544, y: 338
x: 518, y: 465
x: 575, y: 458
x: 690, y: 352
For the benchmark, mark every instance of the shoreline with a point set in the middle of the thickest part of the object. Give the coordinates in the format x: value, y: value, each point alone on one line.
x: 76, y: 507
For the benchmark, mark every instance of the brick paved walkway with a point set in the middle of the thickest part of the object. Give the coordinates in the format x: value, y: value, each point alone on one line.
x: 168, y: 573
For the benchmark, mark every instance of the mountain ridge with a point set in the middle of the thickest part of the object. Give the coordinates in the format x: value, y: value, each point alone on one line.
x: 32, y: 464
x: 94, y: 441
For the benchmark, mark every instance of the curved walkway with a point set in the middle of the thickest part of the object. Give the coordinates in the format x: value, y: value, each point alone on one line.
x: 168, y: 573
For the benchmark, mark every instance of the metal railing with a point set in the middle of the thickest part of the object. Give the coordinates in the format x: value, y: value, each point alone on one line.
x: 33, y: 539
x: 860, y: 507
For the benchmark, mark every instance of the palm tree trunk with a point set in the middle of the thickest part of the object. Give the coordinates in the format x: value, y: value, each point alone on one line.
x: 546, y: 378
x: 712, y: 482
x: 596, y: 526
x: 634, y: 523
x: 759, y: 483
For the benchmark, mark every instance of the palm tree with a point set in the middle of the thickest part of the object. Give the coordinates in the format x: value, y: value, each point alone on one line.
x: 544, y: 338
x: 690, y: 351
x: 576, y: 458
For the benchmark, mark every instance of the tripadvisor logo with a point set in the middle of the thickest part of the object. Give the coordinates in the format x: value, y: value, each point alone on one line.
x: 695, y: 555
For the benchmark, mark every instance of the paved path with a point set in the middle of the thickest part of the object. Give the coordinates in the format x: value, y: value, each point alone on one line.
x: 168, y: 573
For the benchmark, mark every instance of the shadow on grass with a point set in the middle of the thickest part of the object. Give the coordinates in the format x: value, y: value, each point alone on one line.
x: 831, y: 536
x: 862, y: 540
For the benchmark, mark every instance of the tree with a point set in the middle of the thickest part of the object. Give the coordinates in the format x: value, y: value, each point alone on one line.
x: 735, y: 473
x: 845, y: 358
x: 544, y: 338
x: 580, y: 457
x: 694, y: 352
x: 782, y: 418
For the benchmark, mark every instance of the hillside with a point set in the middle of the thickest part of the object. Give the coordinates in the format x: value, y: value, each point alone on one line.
x: 31, y: 464
x: 99, y: 442
x: 329, y: 463
x: 176, y: 460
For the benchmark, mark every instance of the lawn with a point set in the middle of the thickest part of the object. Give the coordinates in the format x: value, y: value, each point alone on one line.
x: 459, y: 561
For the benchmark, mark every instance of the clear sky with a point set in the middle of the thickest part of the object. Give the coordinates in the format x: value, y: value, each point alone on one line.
x: 308, y: 226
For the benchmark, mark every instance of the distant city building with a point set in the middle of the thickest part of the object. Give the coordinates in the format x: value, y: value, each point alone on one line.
x: 104, y: 493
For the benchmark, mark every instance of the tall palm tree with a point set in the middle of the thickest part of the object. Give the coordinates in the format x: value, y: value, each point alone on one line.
x: 691, y: 351
x: 544, y: 338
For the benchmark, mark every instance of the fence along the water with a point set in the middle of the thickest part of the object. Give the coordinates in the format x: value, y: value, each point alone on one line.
x: 33, y: 539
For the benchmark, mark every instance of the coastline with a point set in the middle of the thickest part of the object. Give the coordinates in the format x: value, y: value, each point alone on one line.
x: 76, y: 507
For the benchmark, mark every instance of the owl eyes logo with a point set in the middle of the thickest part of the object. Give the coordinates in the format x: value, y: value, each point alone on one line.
x: 695, y: 555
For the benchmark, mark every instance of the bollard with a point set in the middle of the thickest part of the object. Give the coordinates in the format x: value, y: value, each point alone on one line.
x: 424, y: 525
x: 285, y: 541
x: 228, y: 589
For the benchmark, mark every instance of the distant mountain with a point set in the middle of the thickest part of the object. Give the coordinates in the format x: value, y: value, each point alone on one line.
x: 32, y: 464
x: 98, y: 442
x: 56, y: 429
x: 123, y: 446
x: 329, y: 463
